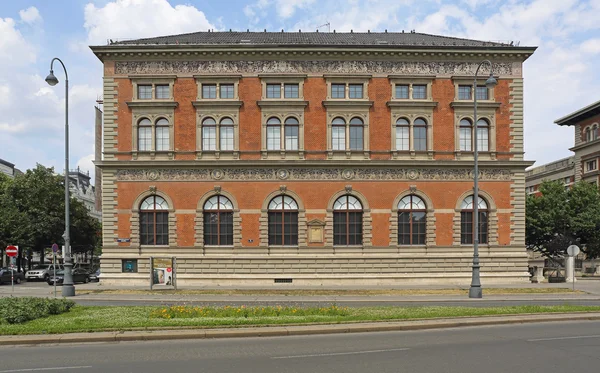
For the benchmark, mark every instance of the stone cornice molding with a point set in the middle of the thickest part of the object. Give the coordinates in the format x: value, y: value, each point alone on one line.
x: 216, y: 77
x: 146, y: 76
x: 480, y: 104
x: 347, y: 103
x: 283, y: 75
x: 283, y: 102
x: 411, y: 76
x: 333, y: 69
x: 480, y: 78
x: 153, y: 103
x: 347, y: 76
x: 309, y: 173
x: 409, y: 103
x: 217, y: 103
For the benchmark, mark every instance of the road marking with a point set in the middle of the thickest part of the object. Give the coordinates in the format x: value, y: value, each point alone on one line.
x: 42, y: 369
x: 338, y: 353
x: 558, y: 338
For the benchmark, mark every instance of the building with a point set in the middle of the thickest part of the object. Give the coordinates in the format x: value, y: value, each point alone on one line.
x: 8, y: 168
x: 83, y: 191
x: 562, y: 170
x: 314, y: 158
x: 585, y: 122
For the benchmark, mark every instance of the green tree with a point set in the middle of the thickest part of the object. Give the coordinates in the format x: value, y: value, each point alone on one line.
x: 559, y: 218
x: 32, y: 212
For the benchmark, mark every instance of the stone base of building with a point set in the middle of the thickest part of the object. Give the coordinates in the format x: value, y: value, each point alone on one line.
x: 435, y: 266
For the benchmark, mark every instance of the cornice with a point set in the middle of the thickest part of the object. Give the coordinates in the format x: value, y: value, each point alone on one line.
x: 283, y: 75
x: 471, y: 104
x: 214, y: 77
x: 482, y: 77
x: 152, y: 103
x: 409, y: 103
x: 143, y: 76
x: 347, y: 103
x: 214, y: 103
x: 347, y: 76
x: 411, y: 76
x: 279, y: 103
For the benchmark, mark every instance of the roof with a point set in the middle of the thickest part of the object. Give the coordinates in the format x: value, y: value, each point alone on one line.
x: 7, y: 163
x: 378, y: 39
x: 579, y: 115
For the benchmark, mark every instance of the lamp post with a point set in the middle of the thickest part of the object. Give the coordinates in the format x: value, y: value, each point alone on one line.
x: 68, y: 290
x: 475, y: 289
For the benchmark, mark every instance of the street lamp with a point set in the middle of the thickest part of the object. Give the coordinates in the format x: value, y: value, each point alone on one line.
x: 68, y: 290
x: 475, y: 289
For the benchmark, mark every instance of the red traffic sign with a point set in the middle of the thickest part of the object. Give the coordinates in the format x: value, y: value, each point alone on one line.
x: 12, y: 250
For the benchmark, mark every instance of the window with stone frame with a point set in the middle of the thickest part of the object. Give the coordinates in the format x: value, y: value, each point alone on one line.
x: 162, y: 135
x: 209, y: 134
x: 402, y: 91
x: 152, y: 88
x: 273, y: 90
x: 356, y: 131
x: 153, y: 136
x: 154, y: 221
x: 291, y: 90
x: 467, y: 221
x: 483, y: 135
x: 218, y: 221
x: 347, y: 221
x: 338, y: 134
x: 412, y: 221
x: 465, y: 92
x: 410, y: 88
x: 591, y: 165
x: 273, y: 134
x: 144, y: 135
x: 291, y: 134
x: 465, y: 135
x: 283, y: 221
x: 349, y: 90
x: 402, y: 134
x: 227, y: 91
x: 419, y: 91
x: 420, y: 135
x: 355, y: 91
x: 226, y: 134
x: 144, y: 91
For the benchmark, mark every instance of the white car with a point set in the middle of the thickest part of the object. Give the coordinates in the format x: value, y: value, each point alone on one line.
x: 42, y: 272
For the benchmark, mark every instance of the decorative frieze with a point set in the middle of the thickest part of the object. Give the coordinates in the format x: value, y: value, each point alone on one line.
x: 305, y: 67
x: 271, y: 174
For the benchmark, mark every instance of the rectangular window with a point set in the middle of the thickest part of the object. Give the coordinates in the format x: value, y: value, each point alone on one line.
x: 291, y: 138
x: 356, y: 137
x: 466, y: 228
x: 209, y: 138
x: 402, y: 91
x: 482, y: 93
x: 402, y: 138
x: 419, y: 228
x: 275, y: 228
x: 273, y: 90
x: 162, y: 138
x: 163, y: 92
x: 338, y: 137
x: 420, y: 138
x: 144, y: 92
x: 338, y: 90
x: 290, y: 228
x: 419, y: 92
x: 483, y: 140
x: 209, y: 91
x: 404, y: 228
x: 226, y: 91
x: 355, y: 91
x: 464, y: 92
x: 340, y: 235
x: 567, y: 180
x: 162, y: 228
x: 129, y: 265
x: 591, y: 165
x: 226, y: 134
x: 144, y: 138
x: 465, y: 139
x: 273, y: 138
x: 291, y: 91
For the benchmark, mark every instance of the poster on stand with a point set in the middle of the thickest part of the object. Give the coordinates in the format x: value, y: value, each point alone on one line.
x: 162, y: 273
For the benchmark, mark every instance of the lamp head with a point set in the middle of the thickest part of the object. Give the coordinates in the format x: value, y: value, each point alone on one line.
x: 491, y: 81
x: 51, y: 79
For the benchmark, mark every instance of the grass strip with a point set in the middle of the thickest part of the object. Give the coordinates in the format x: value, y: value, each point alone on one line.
x: 94, y: 319
x: 329, y: 292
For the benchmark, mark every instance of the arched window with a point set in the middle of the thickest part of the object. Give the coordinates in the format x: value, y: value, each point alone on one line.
x: 402, y: 134
x: 465, y: 139
x: 226, y: 134
x: 588, y: 134
x: 467, y: 221
x: 483, y: 135
x: 420, y: 134
x: 347, y: 221
x: 412, y: 215
x: 209, y: 134
x: 218, y: 221
x: 283, y: 221
x: 595, y: 132
x: 291, y: 133
x: 273, y: 134
x: 162, y: 134
x: 356, y: 134
x: 338, y: 134
x: 145, y: 135
x: 154, y: 221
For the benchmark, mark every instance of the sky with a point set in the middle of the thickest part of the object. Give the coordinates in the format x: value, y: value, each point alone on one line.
x: 562, y: 76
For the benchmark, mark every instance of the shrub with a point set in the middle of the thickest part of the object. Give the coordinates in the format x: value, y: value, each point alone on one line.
x: 17, y: 310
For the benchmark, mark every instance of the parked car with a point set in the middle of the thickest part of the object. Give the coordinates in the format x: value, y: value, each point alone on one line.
x: 5, y: 276
x: 42, y: 272
x: 79, y: 275
x: 95, y: 276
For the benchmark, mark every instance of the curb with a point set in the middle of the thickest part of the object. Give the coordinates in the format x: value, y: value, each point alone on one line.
x: 277, y: 331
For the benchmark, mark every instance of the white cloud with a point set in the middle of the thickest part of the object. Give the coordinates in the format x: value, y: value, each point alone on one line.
x: 286, y: 8
x: 591, y: 46
x: 30, y: 15
x: 86, y: 163
x: 125, y: 19
x: 14, y: 49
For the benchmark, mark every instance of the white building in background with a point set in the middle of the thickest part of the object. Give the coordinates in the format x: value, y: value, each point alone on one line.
x: 8, y: 168
x: 82, y: 190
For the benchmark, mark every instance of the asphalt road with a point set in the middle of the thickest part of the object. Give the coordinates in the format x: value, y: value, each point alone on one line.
x: 530, y: 348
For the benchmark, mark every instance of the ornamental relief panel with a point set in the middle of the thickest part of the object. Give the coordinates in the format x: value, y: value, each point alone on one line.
x: 337, y: 174
x: 304, y: 67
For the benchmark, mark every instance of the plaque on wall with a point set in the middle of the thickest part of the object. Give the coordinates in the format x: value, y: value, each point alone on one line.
x: 315, y: 234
